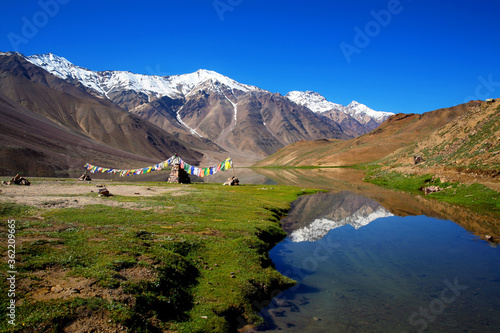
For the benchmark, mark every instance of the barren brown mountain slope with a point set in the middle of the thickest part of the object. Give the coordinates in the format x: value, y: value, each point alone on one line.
x: 51, y: 129
x: 18, y: 66
x: 398, y: 131
x: 251, y: 124
x: 214, y: 111
x: 33, y: 145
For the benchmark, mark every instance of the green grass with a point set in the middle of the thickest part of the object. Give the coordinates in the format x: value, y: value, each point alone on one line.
x: 12, y: 210
x: 206, y: 249
x: 476, y: 197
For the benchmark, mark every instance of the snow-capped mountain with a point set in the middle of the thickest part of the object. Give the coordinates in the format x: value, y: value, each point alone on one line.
x: 241, y: 119
x: 317, y: 103
x: 108, y: 83
x: 321, y: 227
x: 231, y: 116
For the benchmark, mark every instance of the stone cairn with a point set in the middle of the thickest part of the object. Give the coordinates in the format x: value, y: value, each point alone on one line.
x: 85, y: 177
x: 232, y: 181
x: 178, y: 175
x: 17, y: 180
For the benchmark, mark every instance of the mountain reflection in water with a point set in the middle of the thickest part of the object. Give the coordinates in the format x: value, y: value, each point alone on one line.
x: 344, y: 208
x: 360, y: 268
x: 397, y: 202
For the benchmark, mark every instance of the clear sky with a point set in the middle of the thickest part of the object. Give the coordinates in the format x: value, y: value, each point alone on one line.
x: 398, y: 56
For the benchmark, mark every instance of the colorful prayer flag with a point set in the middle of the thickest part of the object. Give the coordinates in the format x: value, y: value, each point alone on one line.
x: 197, y: 171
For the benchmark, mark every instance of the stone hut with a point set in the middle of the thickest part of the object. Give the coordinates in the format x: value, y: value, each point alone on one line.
x: 178, y: 175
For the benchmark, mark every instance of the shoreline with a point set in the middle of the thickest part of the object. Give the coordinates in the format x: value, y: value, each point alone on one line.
x: 466, y: 176
x: 393, y: 198
x: 441, y: 184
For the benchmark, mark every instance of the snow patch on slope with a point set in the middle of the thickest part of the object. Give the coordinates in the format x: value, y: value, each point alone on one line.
x: 179, y: 119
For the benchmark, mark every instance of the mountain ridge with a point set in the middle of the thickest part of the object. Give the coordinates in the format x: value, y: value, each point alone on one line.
x: 318, y: 103
x: 174, y: 86
x: 356, y: 118
x: 149, y: 87
x: 247, y: 122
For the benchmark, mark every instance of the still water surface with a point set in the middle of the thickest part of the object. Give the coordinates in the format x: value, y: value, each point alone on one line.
x: 362, y: 268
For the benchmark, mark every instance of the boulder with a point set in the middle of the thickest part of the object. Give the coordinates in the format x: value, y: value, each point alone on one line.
x: 104, y: 192
x: 431, y: 189
x: 417, y: 159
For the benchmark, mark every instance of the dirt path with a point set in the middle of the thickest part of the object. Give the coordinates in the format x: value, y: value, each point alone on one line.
x: 62, y: 194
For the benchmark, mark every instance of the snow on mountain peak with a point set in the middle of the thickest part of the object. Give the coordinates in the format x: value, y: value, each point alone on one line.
x: 53, y: 64
x: 188, y: 82
x: 356, y: 109
x: 312, y: 100
x: 106, y: 82
x: 317, y: 103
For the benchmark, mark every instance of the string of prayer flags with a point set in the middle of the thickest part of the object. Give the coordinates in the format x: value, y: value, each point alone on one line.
x: 192, y: 170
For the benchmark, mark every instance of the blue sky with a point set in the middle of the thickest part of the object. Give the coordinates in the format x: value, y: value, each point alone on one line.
x: 399, y: 56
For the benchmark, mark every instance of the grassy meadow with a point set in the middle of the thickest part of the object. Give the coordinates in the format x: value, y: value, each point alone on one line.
x: 476, y: 197
x: 191, y: 260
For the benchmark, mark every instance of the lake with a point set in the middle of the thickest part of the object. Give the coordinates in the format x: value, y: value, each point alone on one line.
x: 373, y: 260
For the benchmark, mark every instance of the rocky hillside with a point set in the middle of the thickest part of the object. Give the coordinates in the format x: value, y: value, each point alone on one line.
x: 399, y: 131
x: 207, y: 109
x: 471, y: 141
